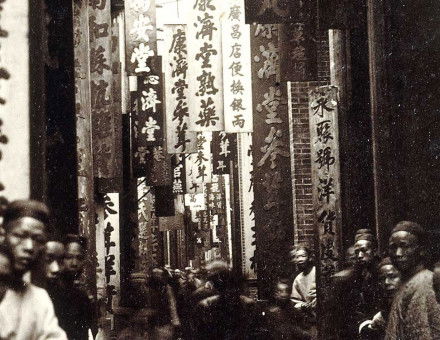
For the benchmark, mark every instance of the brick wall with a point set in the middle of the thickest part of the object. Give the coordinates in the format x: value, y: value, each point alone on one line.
x: 302, y: 160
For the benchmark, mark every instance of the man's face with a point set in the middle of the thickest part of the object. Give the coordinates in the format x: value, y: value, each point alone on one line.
x: 73, y: 259
x: 25, y: 237
x: 364, y: 251
x: 282, y: 293
x: 301, y: 259
x: 53, y: 258
x: 405, y: 251
x: 389, y: 279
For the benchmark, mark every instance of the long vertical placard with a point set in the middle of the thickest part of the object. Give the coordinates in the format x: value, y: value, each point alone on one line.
x: 103, y: 129
x: 14, y: 100
x: 140, y: 33
x: 224, y: 150
x: 205, y: 66
x: 237, y: 85
x: 245, y: 168
x: 324, y: 141
x: 272, y: 184
x: 179, y: 138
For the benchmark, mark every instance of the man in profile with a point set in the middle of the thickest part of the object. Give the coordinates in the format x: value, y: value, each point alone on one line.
x: 415, y: 312
x: 26, y: 311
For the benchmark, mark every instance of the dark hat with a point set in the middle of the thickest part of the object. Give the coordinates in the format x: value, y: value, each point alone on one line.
x: 364, y: 231
x: 386, y: 261
x: 412, y: 228
x: 26, y: 208
x: 365, y: 236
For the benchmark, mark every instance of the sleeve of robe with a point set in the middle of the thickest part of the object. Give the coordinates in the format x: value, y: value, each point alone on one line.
x: 50, y: 329
x: 415, y: 316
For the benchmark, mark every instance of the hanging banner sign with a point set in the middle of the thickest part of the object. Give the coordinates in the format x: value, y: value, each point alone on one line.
x: 195, y: 202
x: 101, y: 89
x: 236, y: 69
x: 192, y: 187
x: 205, y: 66
x: 279, y: 11
x: 271, y: 155
x: 247, y: 214
x: 160, y: 171
x: 224, y: 150
x: 179, y: 139
x: 198, y: 165
x: 150, y: 108
x: 179, y: 175
x: 297, y: 52
x: 169, y: 223
x: 140, y: 32
x: 324, y: 137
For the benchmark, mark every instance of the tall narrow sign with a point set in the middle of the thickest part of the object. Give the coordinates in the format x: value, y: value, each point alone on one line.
x: 237, y: 85
x: 272, y: 184
x: 245, y: 168
x: 205, y: 66
x: 179, y: 139
x: 224, y: 150
x: 323, y: 114
x: 103, y: 128
x: 140, y: 32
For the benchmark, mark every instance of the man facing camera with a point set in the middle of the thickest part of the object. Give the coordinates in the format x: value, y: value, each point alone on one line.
x: 26, y: 311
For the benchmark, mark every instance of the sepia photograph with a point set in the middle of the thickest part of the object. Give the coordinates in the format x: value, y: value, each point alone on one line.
x: 219, y: 170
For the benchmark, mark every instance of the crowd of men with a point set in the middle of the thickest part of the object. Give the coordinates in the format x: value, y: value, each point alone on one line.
x: 393, y: 297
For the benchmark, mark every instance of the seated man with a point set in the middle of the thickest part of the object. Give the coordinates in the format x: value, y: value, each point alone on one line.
x: 26, y: 311
x: 304, y: 285
x: 389, y: 282
x: 415, y: 312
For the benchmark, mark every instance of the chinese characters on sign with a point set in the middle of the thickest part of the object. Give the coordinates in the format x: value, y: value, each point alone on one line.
x: 278, y: 11
x: 297, y: 52
x: 224, y: 150
x: 140, y: 32
x: 323, y: 113
x: 198, y: 165
x: 179, y: 139
x: 101, y: 84
x: 179, y: 176
x: 271, y: 155
x: 205, y: 67
x: 237, y: 86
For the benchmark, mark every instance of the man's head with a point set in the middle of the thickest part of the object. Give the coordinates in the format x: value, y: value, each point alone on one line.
x: 282, y: 292
x: 74, y: 256
x: 54, y: 260
x: 406, y: 246
x: 364, y: 247
x: 25, y: 223
x: 389, y: 278
x: 302, y: 257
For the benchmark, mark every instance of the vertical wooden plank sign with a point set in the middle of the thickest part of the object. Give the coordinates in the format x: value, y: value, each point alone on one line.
x: 101, y: 84
x: 14, y: 100
x: 224, y: 150
x: 112, y: 250
x: 140, y: 33
x: 272, y: 187
x: 85, y: 173
x: 237, y: 84
x: 324, y: 140
x: 205, y: 66
x: 245, y: 168
x: 179, y: 139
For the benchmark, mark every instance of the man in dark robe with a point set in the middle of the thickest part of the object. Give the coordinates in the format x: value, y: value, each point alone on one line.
x: 415, y: 312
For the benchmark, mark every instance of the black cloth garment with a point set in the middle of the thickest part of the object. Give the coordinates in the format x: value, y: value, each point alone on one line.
x: 73, y: 309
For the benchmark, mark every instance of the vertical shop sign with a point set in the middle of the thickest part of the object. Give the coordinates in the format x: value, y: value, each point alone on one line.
x: 224, y: 150
x: 323, y: 114
x: 205, y: 66
x: 273, y: 193
x: 237, y: 85
x: 179, y: 138
x: 140, y: 33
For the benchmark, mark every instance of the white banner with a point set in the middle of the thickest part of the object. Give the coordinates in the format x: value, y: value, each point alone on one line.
x: 237, y: 78
x: 205, y: 66
x: 179, y: 139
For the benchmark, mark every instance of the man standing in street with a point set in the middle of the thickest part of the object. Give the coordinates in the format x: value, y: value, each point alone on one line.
x: 26, y: 311
x: 415, y: 312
